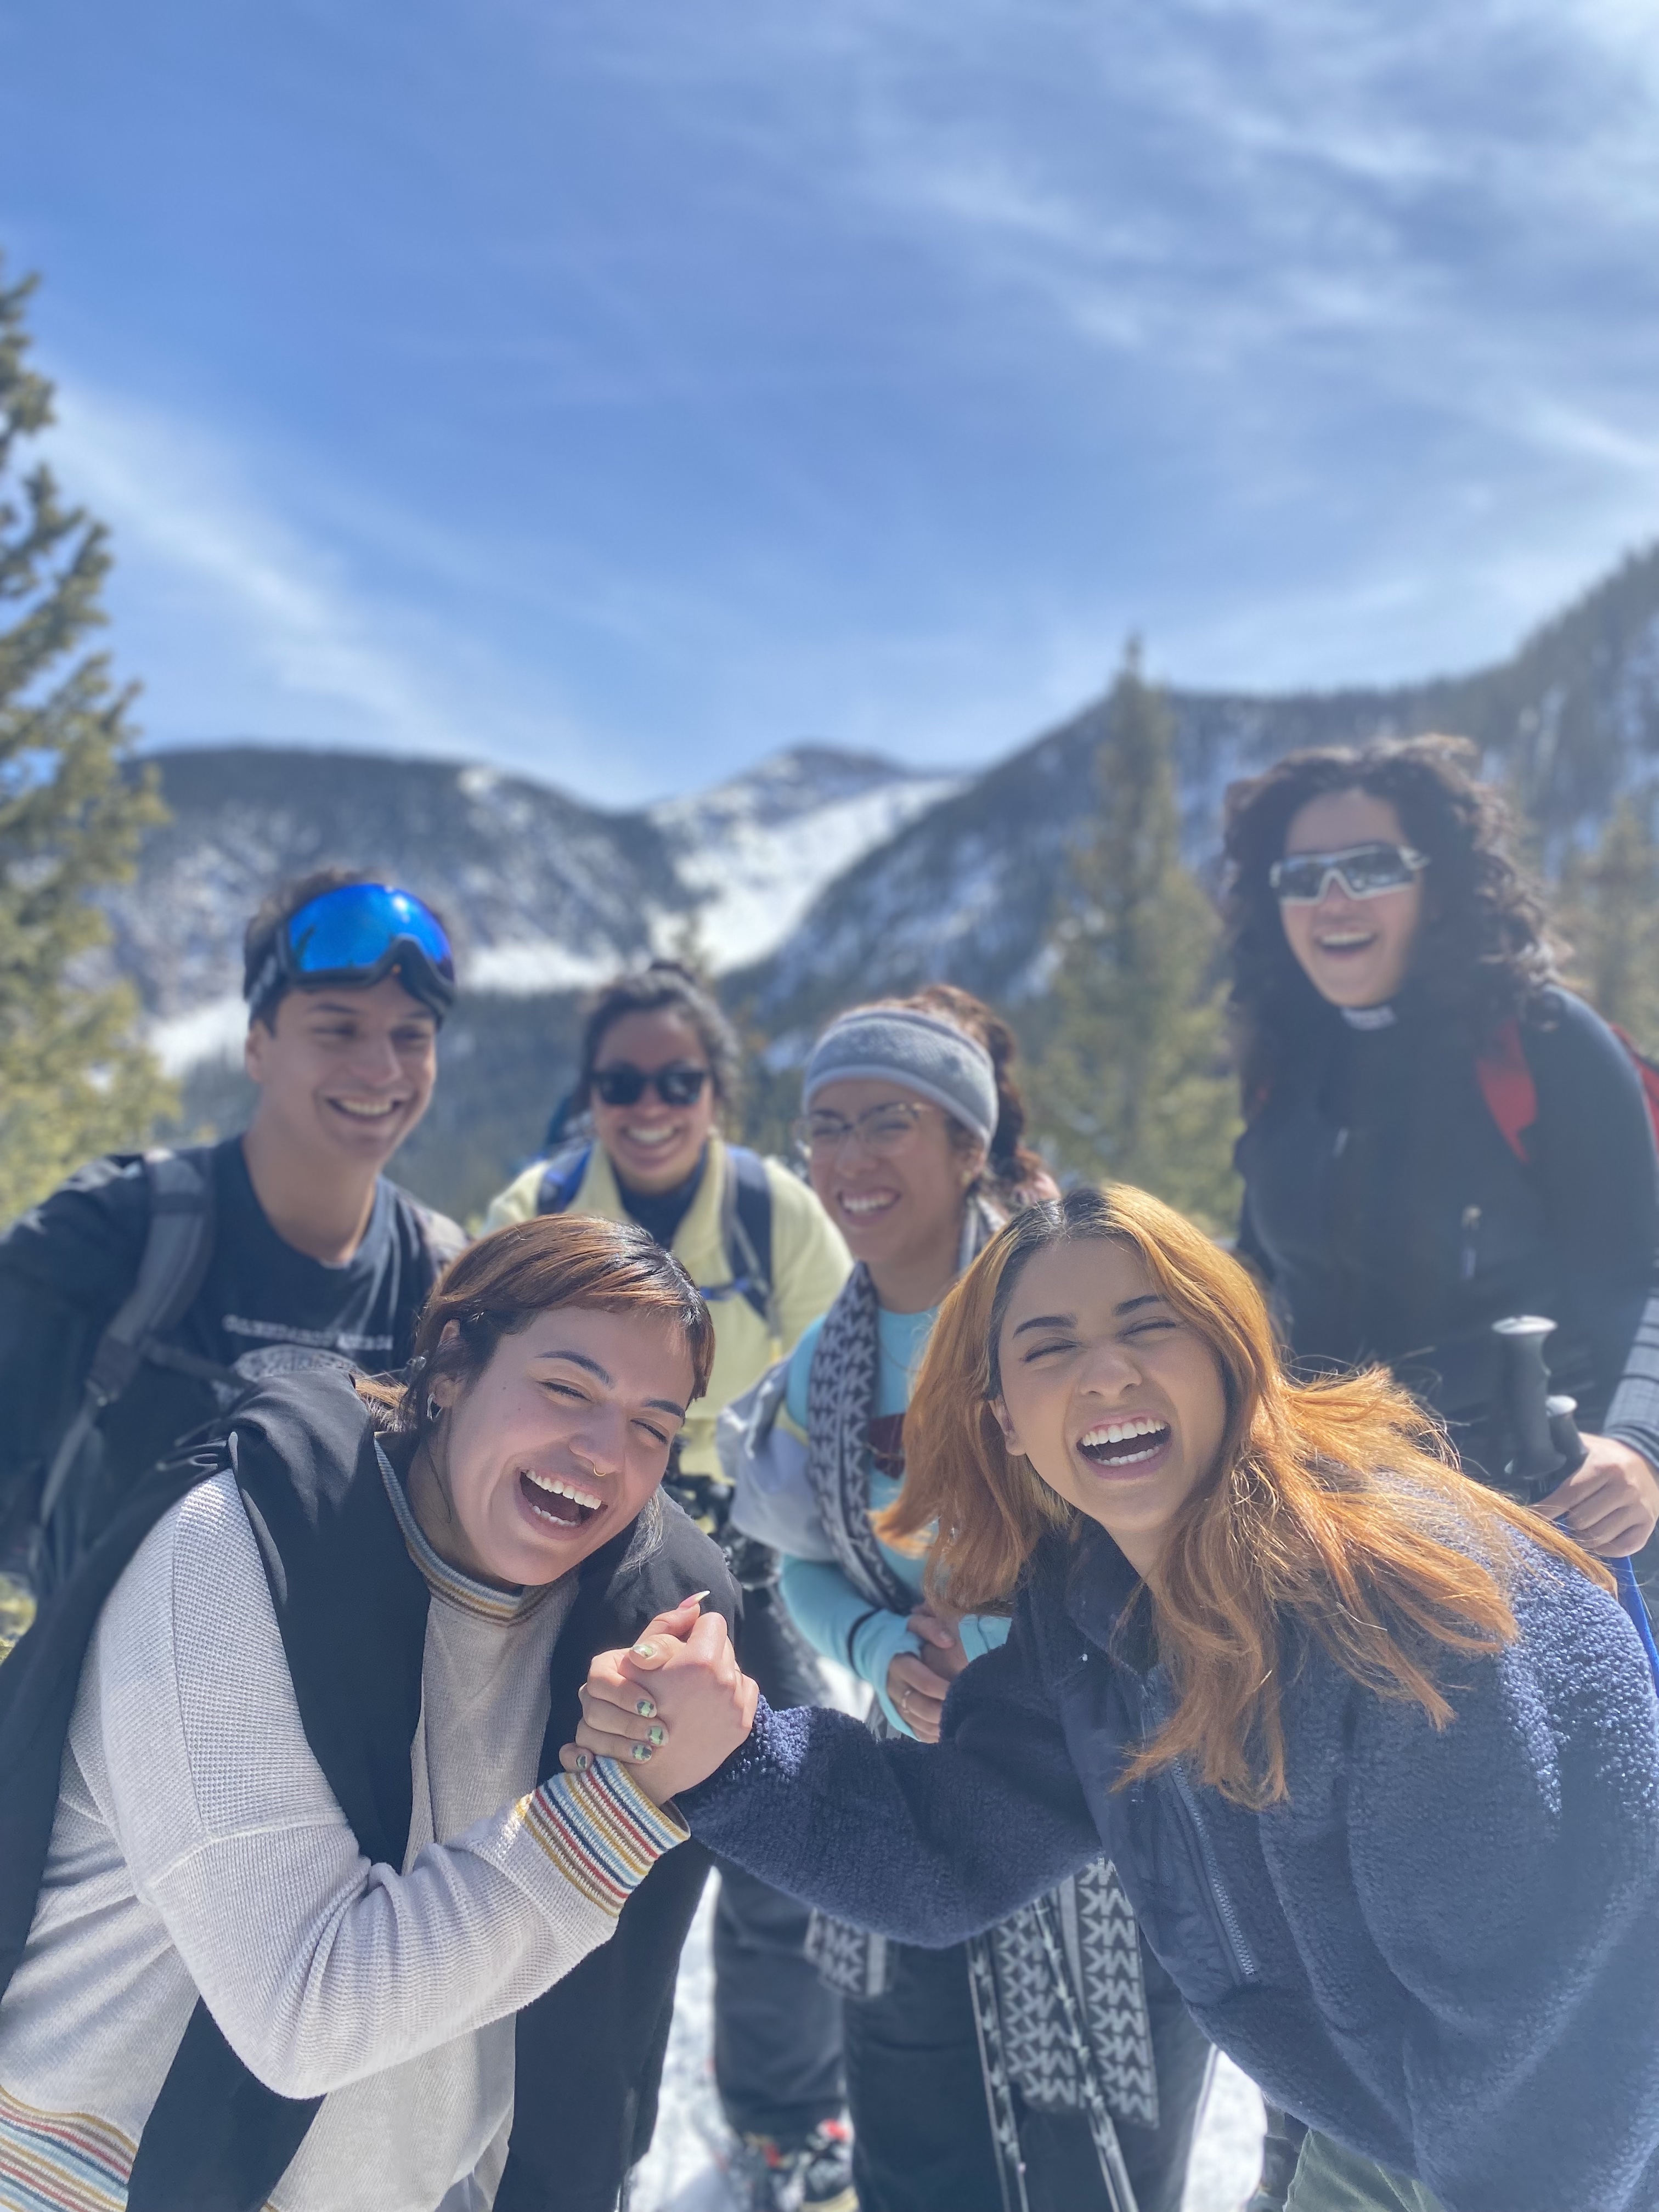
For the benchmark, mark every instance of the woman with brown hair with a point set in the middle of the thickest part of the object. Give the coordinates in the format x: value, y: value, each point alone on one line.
x: 297, y: 1909
x: 660, y: 1076
x: 1375, y: 1752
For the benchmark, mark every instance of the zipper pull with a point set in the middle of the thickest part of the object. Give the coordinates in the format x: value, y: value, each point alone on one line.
x: 1471, y: 1230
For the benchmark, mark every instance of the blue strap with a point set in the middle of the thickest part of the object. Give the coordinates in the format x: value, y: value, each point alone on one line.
x: 1630, y: 1596
x: 747, y: 1232
x: 561, y: 1178
x: 747, y: 1228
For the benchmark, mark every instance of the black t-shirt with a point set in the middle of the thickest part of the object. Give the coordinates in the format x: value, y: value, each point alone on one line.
x: 66, y: 1267
x: 659, y: 1213
x: 260, y: 1291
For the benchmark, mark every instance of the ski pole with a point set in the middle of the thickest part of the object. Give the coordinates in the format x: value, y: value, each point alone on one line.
x: 1549, y: 1446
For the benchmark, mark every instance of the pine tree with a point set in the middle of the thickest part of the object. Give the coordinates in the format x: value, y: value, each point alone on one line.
x: 73, y: 1080
x: 1610, y: 916
x: 1133, y: 1086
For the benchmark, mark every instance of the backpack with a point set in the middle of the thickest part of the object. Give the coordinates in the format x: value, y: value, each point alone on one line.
x: 178, y: 1250
x: 1511, y: 1096
x: 745, y: 1221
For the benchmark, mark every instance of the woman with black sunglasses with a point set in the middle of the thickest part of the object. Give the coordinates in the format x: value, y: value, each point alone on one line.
x: 1437, y: 1135
x: 659, y: 1069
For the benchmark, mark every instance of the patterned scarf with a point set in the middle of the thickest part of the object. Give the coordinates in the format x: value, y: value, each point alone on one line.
x: 1057, y: 1988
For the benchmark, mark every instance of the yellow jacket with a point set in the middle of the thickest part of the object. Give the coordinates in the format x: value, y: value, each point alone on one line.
x: 809, y: 1263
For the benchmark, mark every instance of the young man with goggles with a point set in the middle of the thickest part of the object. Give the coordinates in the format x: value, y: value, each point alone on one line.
x: 148, y: 1291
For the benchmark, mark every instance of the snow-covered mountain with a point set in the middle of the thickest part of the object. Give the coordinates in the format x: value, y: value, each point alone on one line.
x: 818, y: 877
x: 543, y: 894
x: 967, y: 891
x: 755, y: 852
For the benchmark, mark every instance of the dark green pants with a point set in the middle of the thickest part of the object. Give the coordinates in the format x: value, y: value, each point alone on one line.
x: 1329, y: 2178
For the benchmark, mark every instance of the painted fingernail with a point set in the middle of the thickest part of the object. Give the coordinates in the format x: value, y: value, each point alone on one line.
x: 645, y: 1708
x: 658, y: 1732
x: 642, y: 1752
x: 583, y: 1762
x: 646, y: 1650
x: 696, y: 1598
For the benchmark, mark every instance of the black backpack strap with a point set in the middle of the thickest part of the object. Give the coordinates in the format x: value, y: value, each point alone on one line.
x: 178, y: 1248
x: 746, y: 1229
x: 561, y: 1178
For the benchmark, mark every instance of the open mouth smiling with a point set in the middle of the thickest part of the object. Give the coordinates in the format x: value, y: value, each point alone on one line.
x: 369, y: 1109
x: 558, y: 1500
x: 1343, y: 942
x: 1129, y: 1442
x: 863, y: 1204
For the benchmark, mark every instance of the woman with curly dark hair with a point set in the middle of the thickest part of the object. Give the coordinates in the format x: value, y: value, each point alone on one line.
x: 1438, y: 1134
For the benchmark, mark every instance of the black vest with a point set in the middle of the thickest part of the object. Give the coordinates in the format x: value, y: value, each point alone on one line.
x: 351, y: 1606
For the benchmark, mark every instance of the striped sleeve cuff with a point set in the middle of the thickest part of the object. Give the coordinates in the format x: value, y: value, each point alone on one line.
x: 599, y: 1831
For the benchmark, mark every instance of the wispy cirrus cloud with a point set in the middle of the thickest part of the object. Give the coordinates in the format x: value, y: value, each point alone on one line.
x: 185, y: 513
x: 671, y: 383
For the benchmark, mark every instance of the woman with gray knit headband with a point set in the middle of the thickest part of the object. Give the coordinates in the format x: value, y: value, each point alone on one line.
x: 979, y: 2079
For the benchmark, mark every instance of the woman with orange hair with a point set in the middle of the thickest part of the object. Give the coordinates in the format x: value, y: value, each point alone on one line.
x: 1375, y: 1752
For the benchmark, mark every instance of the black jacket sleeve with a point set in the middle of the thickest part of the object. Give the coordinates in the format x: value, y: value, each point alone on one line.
x: 1591, y: 1149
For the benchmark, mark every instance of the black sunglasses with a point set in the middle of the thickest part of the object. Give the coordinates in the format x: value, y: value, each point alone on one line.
x: 624, y: 1085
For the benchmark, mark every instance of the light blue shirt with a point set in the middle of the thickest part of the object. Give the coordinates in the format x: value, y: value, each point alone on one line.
x: 835, y: 1618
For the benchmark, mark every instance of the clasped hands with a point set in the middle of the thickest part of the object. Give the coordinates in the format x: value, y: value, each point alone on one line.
x: 677, y: 1704
x: 672, y: 1708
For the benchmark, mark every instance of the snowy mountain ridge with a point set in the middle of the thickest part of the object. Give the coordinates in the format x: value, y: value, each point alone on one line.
x: 543, y: 893
x: 819, y: 877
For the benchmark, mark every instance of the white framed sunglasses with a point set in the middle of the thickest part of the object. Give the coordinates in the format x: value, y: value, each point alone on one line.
x: 1364, y: 871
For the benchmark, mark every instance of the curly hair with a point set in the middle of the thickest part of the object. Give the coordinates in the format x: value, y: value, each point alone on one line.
x: 1483, y: 949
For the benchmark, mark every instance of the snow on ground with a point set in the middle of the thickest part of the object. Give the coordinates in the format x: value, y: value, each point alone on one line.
x: 681, y: 2173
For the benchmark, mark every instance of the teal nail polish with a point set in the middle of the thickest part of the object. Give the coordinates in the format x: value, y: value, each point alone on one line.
x: 645, y: 1708
x: 641, y: 1752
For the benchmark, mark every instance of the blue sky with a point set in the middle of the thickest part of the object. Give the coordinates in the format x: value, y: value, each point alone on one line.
x: 621, y: 390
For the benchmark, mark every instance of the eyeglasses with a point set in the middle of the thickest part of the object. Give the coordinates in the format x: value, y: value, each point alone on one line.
x: 356, y: 934
x: 1364, y: 872
x: 624, y: 1085
x: 882, y: 1130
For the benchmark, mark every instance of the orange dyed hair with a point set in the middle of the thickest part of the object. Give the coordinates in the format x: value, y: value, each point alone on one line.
x: 1336, y: 1505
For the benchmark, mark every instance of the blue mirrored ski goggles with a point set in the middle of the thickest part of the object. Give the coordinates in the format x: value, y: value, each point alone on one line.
x: 356, y: 935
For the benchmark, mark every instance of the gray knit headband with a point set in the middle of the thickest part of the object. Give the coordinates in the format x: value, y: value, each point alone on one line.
x: 924, y: 1054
